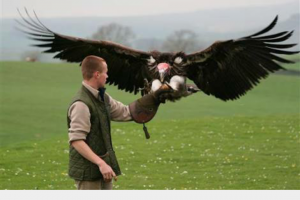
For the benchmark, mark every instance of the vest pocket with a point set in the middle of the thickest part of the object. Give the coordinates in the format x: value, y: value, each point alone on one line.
x: 77, y: 174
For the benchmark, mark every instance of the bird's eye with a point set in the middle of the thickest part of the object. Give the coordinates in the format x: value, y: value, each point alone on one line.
x: 178, y: 60
x: 151, y: 60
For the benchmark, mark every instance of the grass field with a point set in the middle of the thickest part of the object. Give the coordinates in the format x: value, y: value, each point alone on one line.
x: 197, y: 143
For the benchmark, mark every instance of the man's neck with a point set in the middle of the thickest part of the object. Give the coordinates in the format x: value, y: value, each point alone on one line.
x: 92, y: 84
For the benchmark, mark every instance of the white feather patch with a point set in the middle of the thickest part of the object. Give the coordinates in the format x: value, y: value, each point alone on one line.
x: 156, y: 84
x: 178, y: 60
x: 151, y: 60
x: 177, y: 82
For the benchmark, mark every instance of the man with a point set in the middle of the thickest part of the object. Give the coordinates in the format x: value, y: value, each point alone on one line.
x: 93, y: 163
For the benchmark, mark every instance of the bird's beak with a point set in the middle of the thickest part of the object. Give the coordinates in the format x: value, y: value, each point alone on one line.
x: 163, y: 69
x: 162, y: 75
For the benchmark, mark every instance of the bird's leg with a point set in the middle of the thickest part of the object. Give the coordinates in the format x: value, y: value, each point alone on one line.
x: 146, y: 88
x: 166, y: 84
x: 168, y: 95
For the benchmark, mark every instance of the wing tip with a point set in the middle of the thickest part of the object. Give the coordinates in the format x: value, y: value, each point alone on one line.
x: 267, y: 29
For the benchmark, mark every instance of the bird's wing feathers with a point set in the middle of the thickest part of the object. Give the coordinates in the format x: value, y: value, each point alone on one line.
x: 230, y: 68
x: 127, y: 67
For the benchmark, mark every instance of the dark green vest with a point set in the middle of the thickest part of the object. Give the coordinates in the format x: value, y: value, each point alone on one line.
x: 98, y: 139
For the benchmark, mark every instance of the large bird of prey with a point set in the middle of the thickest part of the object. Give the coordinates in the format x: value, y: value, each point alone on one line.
x: 226, y: 69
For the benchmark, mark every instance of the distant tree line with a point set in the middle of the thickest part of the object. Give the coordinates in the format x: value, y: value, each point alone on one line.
x: 181, y: 40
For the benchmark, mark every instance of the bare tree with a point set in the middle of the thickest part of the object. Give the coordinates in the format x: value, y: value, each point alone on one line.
x: 182, y: 40
x: 115, y: 33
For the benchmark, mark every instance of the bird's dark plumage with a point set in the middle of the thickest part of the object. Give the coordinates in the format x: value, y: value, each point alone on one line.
x: 229, y: 69
x: 226, y: 69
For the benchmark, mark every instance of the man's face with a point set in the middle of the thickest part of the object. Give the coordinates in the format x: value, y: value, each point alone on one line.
x: 102, y: 77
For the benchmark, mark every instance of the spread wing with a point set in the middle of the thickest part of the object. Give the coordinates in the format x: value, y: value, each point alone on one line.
x: 228, y: 69
x: 127, y: 67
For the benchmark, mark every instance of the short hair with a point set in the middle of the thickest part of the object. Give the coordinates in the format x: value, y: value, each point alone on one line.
x: 90, y: 65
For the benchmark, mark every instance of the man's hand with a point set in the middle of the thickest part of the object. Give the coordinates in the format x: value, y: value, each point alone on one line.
x: 86, y: 152
x: 107, y: 172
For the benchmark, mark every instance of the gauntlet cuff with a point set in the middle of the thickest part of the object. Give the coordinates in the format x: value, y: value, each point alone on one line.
x: 144, y: 109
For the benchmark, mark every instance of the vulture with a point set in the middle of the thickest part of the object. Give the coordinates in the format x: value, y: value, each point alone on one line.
x: 225, y: 70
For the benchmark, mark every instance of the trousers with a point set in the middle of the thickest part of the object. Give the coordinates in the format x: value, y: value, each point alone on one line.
x: 94, y: 185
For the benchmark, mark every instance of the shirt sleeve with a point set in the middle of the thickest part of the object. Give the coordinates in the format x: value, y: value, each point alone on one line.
x: 118, y: 111
x: 80, y: 124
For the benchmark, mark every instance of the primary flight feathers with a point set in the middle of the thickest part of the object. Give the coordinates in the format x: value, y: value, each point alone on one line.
x: 226, y: 69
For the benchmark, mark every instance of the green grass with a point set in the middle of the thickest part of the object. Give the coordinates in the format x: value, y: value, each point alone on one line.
x: 206, y: 153
x: 197, y: 143
x: 294, y: 57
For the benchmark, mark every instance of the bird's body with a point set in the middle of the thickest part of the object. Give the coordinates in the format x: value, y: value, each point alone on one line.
x: 179, y: 88
x: 226, y: 69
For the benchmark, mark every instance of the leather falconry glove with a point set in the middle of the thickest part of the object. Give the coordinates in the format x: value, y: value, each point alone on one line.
x: 145, y: 108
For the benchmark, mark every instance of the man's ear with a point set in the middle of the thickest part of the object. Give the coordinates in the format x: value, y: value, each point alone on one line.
x: 96, y: 74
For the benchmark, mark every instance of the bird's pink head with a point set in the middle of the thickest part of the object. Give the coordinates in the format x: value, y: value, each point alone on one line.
x: 163, y: 69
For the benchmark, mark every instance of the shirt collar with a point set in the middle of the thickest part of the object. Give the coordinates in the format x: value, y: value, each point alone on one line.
x: 96, y: 93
